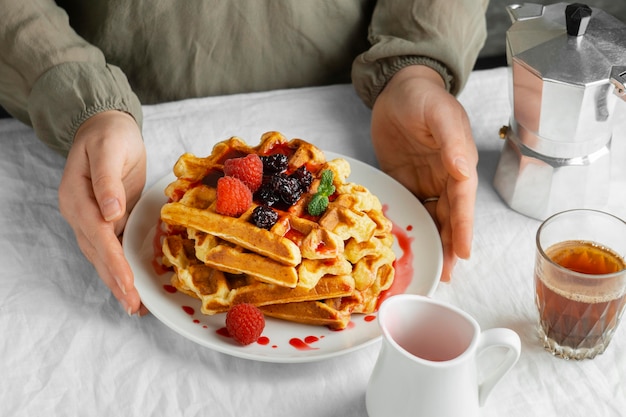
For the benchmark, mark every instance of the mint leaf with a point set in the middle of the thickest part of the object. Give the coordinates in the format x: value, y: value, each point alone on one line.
x: 318, y: 204
x: 326, y: 186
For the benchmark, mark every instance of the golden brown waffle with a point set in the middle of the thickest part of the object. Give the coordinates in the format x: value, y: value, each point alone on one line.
x: 308, y: 269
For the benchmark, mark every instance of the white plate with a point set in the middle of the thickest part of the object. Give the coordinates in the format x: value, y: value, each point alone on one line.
x: 283, y: 341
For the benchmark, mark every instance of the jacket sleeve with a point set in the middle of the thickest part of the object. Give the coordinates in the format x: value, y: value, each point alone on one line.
x: 447, y: 37
x: 53, y: 79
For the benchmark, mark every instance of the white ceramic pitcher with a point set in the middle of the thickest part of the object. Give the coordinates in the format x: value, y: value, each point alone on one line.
x: 427, y: 364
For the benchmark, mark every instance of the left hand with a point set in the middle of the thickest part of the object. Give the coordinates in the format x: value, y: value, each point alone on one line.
x: 103, y: 178
x: 422, y: 137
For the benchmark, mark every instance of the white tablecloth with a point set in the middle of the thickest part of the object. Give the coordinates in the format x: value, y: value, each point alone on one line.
x: 67, y: 348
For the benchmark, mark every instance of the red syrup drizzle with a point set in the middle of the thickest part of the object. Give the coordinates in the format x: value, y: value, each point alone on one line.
x: 169, y: 288
x: 304, y: 344
x: 263, y: 340
x: 222, y: 331
x: 403, y: 265
x: 190, y: 311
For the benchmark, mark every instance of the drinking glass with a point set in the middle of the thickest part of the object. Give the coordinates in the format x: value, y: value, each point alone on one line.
x: 580, y: 281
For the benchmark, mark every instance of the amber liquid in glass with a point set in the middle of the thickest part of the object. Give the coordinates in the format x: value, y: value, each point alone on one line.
x: 580, y: 313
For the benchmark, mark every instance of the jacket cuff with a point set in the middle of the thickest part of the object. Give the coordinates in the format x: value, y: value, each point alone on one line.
x: 379, y: 75
x: 70, y: 93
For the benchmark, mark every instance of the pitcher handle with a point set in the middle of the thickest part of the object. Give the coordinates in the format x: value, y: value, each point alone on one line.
x: 504, y: 338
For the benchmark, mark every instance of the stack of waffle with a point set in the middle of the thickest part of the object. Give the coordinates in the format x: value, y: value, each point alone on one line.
x: 308, y: 269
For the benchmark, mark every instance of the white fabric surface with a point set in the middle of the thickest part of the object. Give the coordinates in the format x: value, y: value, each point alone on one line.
x: 67, y: 348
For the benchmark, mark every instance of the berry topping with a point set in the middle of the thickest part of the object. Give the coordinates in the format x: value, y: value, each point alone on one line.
x: 275, y: 163
x: 288, y: 188
x: 248, y: 169
x: 233, y: 197
x: 304, y: 178
x: 245, y: 323
x: 266, y: 195
x: 264, y: 217
x: 279, y: 188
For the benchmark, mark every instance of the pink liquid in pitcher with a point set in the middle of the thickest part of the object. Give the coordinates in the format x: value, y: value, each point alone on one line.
x: 436, y: 341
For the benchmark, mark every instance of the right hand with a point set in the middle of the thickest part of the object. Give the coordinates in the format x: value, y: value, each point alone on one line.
x: 103, y: 179
x: 422, y: 137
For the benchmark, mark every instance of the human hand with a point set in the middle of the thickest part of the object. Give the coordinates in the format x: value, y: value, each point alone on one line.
x: 422, y: 137
x: 104, y: 175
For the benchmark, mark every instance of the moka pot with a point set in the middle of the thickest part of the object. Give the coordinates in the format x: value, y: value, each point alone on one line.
x: 567, y: 66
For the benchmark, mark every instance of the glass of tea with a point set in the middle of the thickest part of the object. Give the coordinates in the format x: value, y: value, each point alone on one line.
x: 580, y: 281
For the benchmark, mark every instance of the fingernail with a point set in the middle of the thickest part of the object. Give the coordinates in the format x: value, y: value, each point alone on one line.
x: 119, y: 283
x: 126, y: 307
x: 462, y: 167
x: 111, y: 209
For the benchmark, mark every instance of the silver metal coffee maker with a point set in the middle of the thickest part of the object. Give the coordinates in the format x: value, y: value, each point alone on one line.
x: 567, y: 66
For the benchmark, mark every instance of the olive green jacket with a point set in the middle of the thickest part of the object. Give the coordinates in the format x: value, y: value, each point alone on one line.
x: 61, y: 62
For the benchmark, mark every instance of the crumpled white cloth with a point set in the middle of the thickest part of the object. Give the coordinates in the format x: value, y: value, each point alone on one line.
x: 67, y: 348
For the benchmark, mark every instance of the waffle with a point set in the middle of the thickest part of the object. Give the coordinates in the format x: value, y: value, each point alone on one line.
x: 309, y: 269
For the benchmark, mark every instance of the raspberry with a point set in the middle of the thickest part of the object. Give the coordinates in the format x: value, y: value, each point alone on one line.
x: 233, y: 197
x: 245, y: 323
x: 248, y: 169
